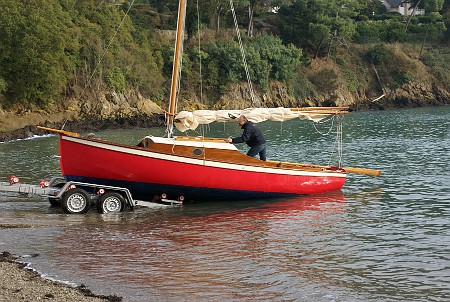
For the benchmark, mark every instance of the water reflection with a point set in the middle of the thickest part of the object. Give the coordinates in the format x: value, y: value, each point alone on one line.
x: 196, y: 251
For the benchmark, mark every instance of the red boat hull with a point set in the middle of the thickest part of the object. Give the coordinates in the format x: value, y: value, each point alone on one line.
x: 146, y: 173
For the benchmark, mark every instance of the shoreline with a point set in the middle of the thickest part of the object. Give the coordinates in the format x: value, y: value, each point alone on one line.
x: 93, y: 124
x: 19, y: 283
x: 89, y: 124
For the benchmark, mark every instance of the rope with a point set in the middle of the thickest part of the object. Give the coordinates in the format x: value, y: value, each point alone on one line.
x: 335, y: 120
x: 329, y: 130
x: 338, y: 141
x: 243, y: 54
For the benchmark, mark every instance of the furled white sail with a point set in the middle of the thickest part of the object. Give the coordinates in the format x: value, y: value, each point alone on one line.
x: 186, y: 120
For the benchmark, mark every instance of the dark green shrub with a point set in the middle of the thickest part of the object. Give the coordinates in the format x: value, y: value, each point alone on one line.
x: 377, y: 55
x: 116, y: 80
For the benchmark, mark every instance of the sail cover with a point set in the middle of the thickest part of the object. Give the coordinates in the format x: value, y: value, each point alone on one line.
x: 186, y: 120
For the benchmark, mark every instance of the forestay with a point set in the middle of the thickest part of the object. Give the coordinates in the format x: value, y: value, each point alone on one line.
x: 186, y: 120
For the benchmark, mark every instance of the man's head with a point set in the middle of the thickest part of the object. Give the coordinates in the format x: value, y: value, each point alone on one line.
x: 242, y: 120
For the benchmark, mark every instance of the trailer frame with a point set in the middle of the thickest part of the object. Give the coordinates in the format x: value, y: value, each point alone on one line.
x: 77, y: 197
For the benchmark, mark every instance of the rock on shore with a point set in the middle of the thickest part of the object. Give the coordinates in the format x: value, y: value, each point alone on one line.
x: 102, y: 111
x: 20, y: 284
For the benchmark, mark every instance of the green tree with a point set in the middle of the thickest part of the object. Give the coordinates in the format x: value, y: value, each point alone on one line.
x: 432, y: 6
x: 115, y: 80
x: 295, y: 20
x: 310, y: 23
x: 368, y: 32
x: 284, y: 60
x: 267, y: 59
x: 371, y: 8
x: 35, y: 46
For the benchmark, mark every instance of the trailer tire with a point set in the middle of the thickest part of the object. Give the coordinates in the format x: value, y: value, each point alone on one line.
x: 110, y: 202
x: 75, y: 201
x: 55, y: 201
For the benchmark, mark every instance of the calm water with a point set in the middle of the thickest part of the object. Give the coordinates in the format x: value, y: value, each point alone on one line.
x: 380, y: 239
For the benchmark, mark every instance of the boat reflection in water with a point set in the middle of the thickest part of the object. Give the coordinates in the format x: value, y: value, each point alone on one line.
x: 199, y: 250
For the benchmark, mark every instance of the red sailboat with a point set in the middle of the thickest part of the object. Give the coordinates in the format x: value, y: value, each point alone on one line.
x: 196, y: 168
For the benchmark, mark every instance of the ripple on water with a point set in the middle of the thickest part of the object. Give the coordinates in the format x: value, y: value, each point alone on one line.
x: 381, y: 239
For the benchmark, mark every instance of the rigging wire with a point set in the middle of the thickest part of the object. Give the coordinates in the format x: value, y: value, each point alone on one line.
x: 200, y: 66
x: 181, y: 62
x: 199, y: 53
x: 88, y: 83
x: 338, y: 122
x: 338, y: 145
x: 250, y: 86
x: 107, y: 47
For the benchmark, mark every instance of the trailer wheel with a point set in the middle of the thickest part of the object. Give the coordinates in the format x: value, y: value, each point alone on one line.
x: 54, y: 202
x: 110, y: 202
x: 75, y: 201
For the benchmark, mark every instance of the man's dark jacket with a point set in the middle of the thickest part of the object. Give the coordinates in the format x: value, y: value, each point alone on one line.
x: 252, y: 136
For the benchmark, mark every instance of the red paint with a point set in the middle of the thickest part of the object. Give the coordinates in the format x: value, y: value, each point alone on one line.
x: 90, y: 161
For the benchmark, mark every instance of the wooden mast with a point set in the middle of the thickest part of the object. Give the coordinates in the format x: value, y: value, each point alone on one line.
x: 176, y: 66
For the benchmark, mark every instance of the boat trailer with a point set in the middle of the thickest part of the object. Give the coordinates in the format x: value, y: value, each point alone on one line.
x: 78, y: 197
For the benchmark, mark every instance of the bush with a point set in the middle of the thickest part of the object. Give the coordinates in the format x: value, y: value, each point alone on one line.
x: 368, y: 32
x: 267, y: 58
x: 300, y: 87
x: 116, y: 80
x: 400, y: 78
x: 283, y: 60
x: 326, y: 80
x: 439, y: 61
x: 394, y: 31
x: 377, y: 55
x: 3, y: 87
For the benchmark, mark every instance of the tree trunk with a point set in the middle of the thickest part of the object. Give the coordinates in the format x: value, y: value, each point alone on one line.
x: 333, y: 36
x: 378, y: 78
x: 318, y: 47
x: 408, y: 19
x: 424, y: 40
x: 251, y: 11
x: 217, y: 21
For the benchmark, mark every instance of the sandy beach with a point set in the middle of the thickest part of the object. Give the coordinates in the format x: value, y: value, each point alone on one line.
x: 17, y: 283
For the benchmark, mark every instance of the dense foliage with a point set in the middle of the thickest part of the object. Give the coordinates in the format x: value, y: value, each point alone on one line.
x: 56, y: 49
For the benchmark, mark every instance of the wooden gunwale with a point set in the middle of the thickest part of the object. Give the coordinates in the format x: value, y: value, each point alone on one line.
x: 210, y: 154
x: 216, y: 155
x: 320, y: 108
x: 324, y: 112
x: 200, y: 139
x: 230, y: 157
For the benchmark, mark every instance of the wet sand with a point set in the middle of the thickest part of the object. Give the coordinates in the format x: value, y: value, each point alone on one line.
x: 17, y: 283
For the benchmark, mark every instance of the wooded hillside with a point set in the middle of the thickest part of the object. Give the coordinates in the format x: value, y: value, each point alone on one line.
x: 299, y: 51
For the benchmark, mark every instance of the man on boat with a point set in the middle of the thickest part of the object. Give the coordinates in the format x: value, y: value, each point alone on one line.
x: 252, y: 136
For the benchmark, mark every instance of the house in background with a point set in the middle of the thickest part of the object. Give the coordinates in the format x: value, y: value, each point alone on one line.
x: 405, y: 8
